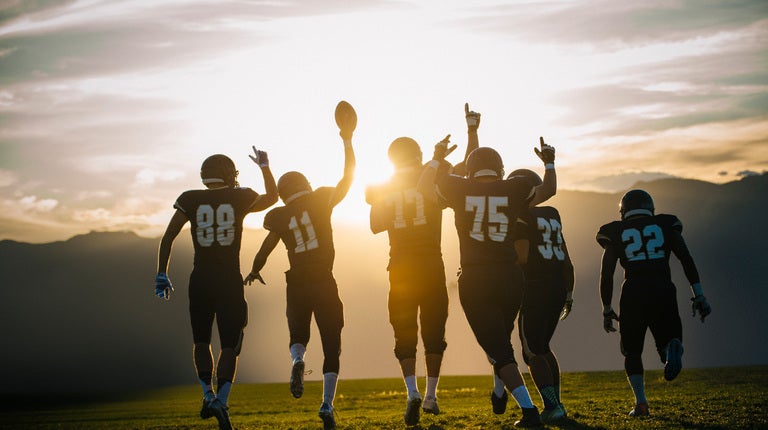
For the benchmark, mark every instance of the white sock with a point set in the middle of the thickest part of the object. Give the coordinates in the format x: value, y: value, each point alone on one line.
x: 223, y: 394
x: 432, y: 387
x: 297, y: 352
x: 522, y: 397
x: 410, y: 385
x: 329, y: 387
x: 498, y: 385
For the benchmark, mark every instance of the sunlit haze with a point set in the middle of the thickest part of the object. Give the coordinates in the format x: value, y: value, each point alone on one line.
x: 108, y: 108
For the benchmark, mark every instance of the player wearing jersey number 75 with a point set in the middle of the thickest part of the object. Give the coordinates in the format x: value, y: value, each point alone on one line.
x: 303, y: 224
x: 215, y: 286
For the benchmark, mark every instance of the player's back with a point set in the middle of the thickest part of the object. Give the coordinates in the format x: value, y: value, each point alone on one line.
x: 216, y: 217
x: 546, y: 247
x: 642, y: 244
x: 304, y: 226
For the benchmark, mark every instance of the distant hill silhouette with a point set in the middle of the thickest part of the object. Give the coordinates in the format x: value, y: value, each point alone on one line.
x: 79, y: 315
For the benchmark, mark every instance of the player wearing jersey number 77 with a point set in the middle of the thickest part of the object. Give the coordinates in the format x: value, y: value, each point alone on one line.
x: 303, y: 224
x: 215, y: 285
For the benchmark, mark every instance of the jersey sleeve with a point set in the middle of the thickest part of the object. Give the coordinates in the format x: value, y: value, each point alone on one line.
x: 270, y: 220
x: 248, y: 198
x: 604, y: 236
x: 182, y: 203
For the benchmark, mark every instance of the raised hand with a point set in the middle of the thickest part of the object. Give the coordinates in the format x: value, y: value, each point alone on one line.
x: 472, y: 117
x: 259, y: 157
x: 546, y: 153
x: 442, y: 150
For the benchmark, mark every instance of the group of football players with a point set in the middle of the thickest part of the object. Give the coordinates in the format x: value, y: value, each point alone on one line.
x: 514, y: 262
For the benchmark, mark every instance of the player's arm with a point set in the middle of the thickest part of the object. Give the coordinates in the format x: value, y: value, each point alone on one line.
x: 269, y: 244
x: 349, y: 173
x: 548, y: 187
x: 607, y: 267
x: 426, y: 184
x: 163, y: 286
x: 265, y: 200
x: 680, y: 249
x: 473, y: 123
x: 570, y: 281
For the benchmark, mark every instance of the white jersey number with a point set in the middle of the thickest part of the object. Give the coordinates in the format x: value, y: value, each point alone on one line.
x: 399, y: 200
x: 497, y: 224
x: 637, y: 250
x: 215, y: 226
x: 549, y: 228
x: 304, y: 234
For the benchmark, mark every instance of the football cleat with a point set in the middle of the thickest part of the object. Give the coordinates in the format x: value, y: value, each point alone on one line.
x: 499, y: 403
x: 554, y: 414
x: 530, y: 418
x: 412, y: 411
x: 205, y: 411
x: 640, y: 410
x: 430, y: 406
x: 221, y: 412
x: 326, y: 414
x: 297, y: 379
x: 674, y: 363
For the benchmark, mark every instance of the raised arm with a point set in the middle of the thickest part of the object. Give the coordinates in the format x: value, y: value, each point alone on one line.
x: 265, y: 200
x: 426, y: 184
x: 349, y: 173
x: 269, y: 244
x: 548, y: 187
x: 473, y: 123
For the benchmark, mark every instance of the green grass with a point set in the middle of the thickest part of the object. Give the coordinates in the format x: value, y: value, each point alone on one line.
x: 699, y: 399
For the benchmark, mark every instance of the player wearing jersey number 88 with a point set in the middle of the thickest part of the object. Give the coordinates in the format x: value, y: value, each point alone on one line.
x: 303, y: 224
x: 490, y: 284
x: 643, y: 243
x: 215, y: 287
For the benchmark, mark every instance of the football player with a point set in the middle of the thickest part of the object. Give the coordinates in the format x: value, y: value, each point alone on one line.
x: 304, y: 226
x: 643, y: 242
x: 417, y: 291
x: 548, y: 295
x: 486, y: 206
x: 215, y: 286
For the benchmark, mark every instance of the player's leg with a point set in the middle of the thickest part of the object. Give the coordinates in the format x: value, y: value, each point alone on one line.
x: 667, y: 331
x: 433, y: 315
x: 329, y: 316
x: 632, y: 328
x: 201, y: 313
x: 403, y: 313
x: 299, y: 314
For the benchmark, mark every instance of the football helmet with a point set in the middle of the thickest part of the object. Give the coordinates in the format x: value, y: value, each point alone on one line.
x: 292, y: 185
x: 530, y: 175
x: 484, y: 161
x: 404, y: 152
x: 219, y: 169
x: 636, y: 202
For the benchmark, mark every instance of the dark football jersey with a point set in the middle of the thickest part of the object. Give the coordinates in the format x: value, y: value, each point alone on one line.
x: 216, y: 218
x: 414, y: 222
x: 642, y: 244
x: 304, y: 226
x: 547, y: 254
x: 485, y: 213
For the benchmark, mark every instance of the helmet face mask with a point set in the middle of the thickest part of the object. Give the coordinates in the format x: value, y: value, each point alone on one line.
x: 292, y: 185
x: 218, y: 169
x: 404, y: 152
x: 636, y: 202
x: 484, y: 162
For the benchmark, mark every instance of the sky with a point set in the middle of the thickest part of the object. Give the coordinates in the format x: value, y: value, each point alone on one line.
x: 107, y: 108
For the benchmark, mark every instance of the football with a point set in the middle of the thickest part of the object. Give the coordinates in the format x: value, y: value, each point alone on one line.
x: 346, y: 117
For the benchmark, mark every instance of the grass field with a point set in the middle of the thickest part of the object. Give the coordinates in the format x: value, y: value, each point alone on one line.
x: 698, y: 399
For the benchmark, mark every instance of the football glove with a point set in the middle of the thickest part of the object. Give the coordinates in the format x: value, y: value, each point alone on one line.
x: 566, y: 307
x: 253, y: 277
x: 260, y: 157
x: 608, y: 318
x: 700, y: 304
x: 163, y: 287
x: 442, y: 150
x: 546, y: 153
x: 473, y: 118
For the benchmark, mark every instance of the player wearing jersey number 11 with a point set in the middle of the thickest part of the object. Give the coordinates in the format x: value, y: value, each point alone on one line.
x: 215, y: 286
x: 303, y: 224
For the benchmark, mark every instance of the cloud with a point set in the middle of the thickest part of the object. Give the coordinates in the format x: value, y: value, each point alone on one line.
x: 13, y: 10
x: 150, y: 176
x: 8, y: 178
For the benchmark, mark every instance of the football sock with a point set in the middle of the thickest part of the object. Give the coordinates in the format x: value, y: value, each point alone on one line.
x: 637, y: 382
x: 223, y: 391
x: 432, y: 387
x: 522, y: 397
x: 297, y: 352
x: 410, y: 385
x: 498, y: 386
x: 329, y: 387
x: 207, y: 387
x: 556, y: 388
x: 548, y: 396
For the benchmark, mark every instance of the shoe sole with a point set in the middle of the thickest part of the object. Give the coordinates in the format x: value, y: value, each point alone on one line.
x: 297, y: 379
x: 674, y: 360
x: 328, y: 422
x: 412, y: 414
